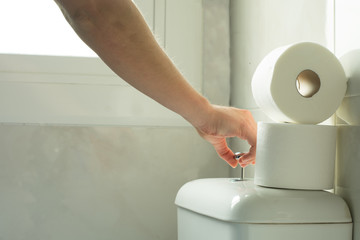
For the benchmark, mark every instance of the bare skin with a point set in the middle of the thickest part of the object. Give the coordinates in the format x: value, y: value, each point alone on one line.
x: 117, y: 32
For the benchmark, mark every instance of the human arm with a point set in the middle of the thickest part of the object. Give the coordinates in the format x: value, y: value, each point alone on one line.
x: 117, y: 32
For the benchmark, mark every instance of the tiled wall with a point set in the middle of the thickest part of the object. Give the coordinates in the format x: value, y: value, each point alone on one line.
x: 259, y: 26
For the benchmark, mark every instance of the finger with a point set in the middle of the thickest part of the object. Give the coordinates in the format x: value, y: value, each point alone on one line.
x: 245, y: 162
x: 225, y: 152
x: 248, y: 158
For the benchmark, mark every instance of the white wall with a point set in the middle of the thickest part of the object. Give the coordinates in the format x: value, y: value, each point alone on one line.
x: 259, y: 26
x: 104, y: 182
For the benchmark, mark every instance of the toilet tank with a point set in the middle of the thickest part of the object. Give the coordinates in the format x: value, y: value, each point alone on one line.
x: 229, y: 209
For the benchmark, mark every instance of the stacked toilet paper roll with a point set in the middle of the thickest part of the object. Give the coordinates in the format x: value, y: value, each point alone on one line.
x: 295, y: 156
x: 349, y: 109
x: 298, y: 85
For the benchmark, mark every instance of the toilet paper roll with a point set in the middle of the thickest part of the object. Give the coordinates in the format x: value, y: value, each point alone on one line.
x: 299, y: 83
x: 349, y: 110
x: 295, y: 156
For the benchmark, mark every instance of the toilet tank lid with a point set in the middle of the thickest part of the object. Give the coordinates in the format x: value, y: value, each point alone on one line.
x: 243, y: 202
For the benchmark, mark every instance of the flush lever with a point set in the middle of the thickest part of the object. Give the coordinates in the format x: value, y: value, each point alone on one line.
x: 237, y: 157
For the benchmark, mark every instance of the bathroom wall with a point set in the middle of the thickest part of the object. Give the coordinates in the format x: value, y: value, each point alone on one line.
x: 86, y: 157
x: 259, y: 26
x: 104, y: 182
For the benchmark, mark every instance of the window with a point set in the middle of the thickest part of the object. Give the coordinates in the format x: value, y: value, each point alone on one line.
x: 38, y: 27
x: 48, y: 75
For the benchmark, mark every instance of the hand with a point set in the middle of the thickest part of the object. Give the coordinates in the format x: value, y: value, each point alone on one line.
x: 224, y: 122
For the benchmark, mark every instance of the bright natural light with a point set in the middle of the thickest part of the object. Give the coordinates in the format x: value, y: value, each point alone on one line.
x: 38, y: 27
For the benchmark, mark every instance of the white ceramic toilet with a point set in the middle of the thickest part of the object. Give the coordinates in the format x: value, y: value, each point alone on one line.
x: 228, y: 209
